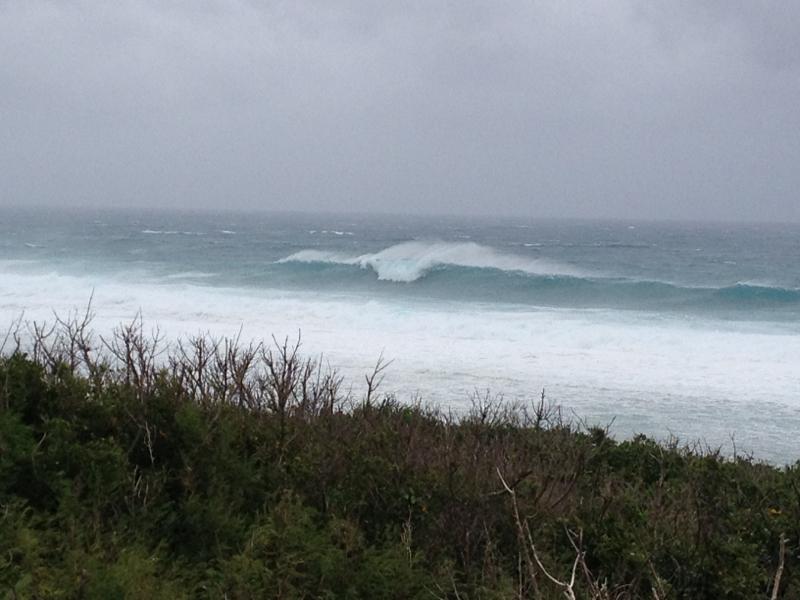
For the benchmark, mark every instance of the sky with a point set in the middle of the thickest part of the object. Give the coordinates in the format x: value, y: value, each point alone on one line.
x: 657, y: 109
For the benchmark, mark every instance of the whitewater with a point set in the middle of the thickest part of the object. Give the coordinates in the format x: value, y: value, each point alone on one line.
x: 410, y: 261
x: 666, y: 329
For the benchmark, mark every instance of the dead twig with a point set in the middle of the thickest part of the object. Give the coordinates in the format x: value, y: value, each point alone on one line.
x: 776, y: 585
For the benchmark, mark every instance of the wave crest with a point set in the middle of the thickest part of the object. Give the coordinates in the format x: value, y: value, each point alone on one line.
x: 450, y: 269
x: 410, y: 261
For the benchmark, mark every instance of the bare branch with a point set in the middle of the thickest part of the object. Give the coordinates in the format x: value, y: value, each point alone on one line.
x: 776, y: 585
x: 375, y: 378
x: 12, y: 333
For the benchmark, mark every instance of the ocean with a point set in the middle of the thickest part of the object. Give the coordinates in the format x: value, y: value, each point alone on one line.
x: 667, y: 329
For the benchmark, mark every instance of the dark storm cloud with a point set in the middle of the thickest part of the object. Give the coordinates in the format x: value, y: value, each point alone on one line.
x: 618, y: 108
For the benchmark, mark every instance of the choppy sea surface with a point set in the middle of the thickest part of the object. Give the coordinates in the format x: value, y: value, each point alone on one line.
x: 681, y: 329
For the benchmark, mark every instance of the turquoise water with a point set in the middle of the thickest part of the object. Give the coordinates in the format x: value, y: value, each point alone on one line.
x: 733, y: 271
x: 682, y: 328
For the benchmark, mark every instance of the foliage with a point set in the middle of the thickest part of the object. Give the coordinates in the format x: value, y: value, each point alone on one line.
x: 218, y: 471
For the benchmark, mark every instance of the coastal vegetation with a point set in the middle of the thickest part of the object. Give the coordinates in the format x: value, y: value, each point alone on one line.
x: 132, y: 468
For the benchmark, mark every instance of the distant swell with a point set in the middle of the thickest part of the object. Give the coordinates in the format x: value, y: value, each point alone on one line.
x: 754, y: 293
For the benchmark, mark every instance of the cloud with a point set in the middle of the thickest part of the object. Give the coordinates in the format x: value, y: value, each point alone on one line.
x: 768, y: 31
x: 620, y: 108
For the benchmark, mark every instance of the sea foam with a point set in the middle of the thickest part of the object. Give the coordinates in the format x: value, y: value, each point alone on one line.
x: 700, y: 377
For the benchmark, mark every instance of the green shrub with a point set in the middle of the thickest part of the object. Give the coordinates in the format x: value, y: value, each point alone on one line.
x: 121, y: 481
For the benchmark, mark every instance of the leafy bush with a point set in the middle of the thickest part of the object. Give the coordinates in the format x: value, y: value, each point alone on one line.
x: 217, y: 471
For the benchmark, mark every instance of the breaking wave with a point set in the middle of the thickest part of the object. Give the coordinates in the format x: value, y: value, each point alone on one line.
x: 411, y: 261
x: 472, y: 271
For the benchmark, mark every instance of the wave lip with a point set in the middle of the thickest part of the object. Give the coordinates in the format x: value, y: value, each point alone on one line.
x: 410, y: 261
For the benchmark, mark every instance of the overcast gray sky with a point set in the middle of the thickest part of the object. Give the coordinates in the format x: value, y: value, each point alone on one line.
x: 614, y: 108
